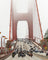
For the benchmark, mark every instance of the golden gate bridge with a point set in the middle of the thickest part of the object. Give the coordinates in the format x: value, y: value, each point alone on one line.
x: 33, y: 21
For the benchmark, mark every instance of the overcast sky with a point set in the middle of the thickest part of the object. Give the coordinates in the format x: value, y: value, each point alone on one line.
x: 5, y: 15
x: 43, y: 11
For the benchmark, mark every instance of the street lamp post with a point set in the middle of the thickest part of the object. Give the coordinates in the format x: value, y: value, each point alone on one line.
x: 1, y: 39
x: 4, y: 44
x: 4, y: 40
x: 1, y: 43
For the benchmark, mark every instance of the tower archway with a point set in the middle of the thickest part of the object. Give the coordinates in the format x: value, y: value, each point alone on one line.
x: 22, y: 29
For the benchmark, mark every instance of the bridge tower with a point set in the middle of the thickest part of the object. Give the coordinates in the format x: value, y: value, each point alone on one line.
x: 31, y: 16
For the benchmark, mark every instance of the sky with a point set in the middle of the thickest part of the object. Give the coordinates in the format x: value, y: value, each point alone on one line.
x: 43, y: 11
x: 5, y: 15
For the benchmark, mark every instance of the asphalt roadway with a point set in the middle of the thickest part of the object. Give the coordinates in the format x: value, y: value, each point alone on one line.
x: 25, y: 46
x: 23, y: 58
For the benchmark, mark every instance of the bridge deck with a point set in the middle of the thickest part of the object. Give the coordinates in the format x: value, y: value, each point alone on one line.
x: 24, y: 58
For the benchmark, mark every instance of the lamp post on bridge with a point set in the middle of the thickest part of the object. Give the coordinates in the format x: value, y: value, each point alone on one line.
x: 0, y: 37
x: 1, y: 41
x: 4, y: 42
x: 4, y: 39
